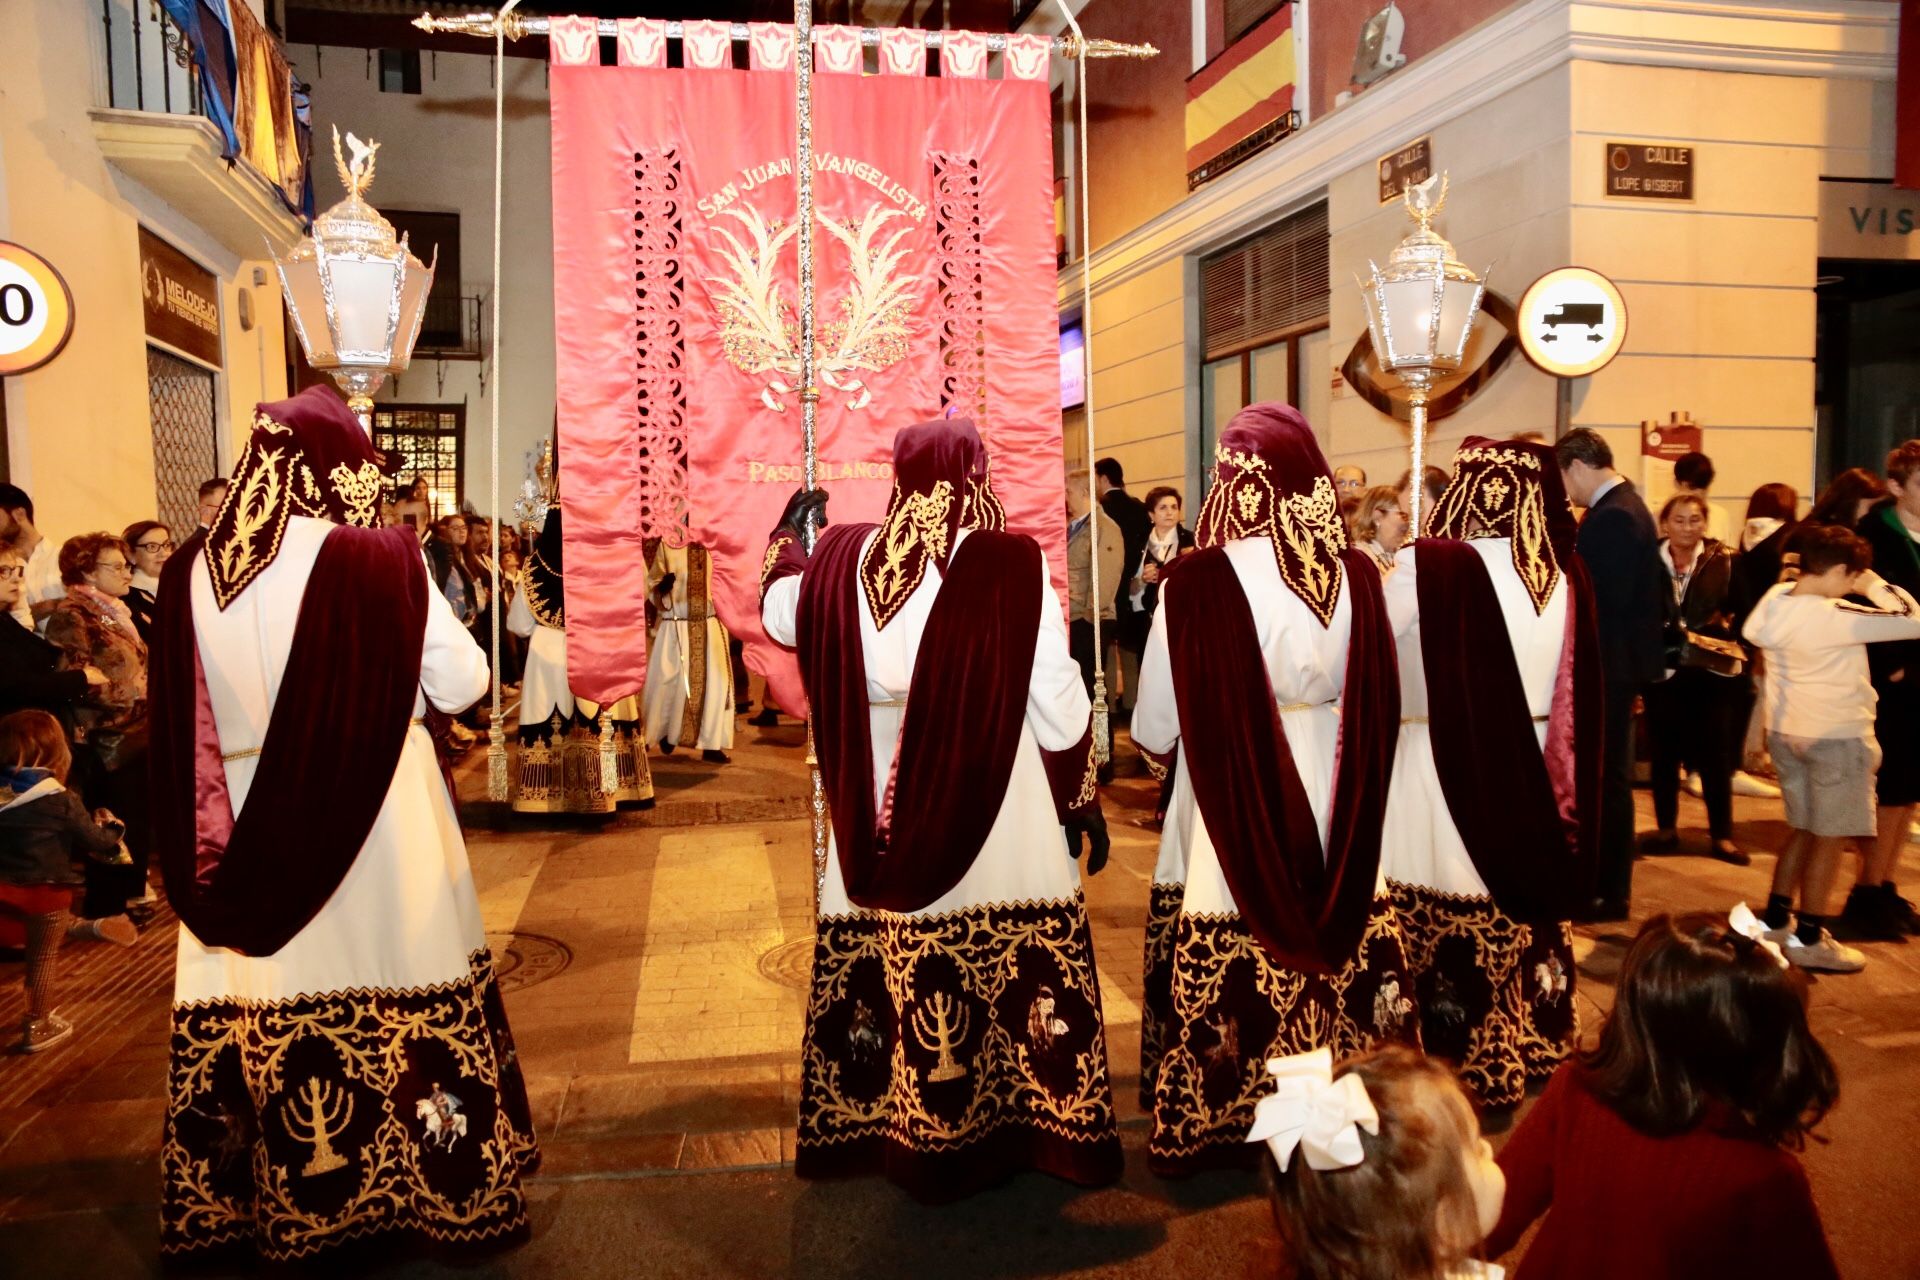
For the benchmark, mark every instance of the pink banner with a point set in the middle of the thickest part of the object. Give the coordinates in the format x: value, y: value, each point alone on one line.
x: 676, y: 288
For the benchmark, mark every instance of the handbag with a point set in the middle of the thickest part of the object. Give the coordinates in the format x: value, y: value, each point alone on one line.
x: 1717, y: 654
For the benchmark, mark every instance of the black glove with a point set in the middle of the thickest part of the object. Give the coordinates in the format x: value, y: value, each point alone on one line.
x: 803, y: 503
x: 1092, y: 825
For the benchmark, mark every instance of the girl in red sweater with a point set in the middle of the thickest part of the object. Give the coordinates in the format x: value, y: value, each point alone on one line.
x: 1668, y: 1149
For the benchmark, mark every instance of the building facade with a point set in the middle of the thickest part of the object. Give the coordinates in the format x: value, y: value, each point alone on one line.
x: 111, y: 171
x: 1760, y: 301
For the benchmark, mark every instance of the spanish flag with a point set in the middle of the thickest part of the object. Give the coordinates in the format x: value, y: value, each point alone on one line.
x: 1246, y: 88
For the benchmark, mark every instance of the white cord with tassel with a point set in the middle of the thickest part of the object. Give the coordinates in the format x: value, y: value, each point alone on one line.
x: 1102, y: 721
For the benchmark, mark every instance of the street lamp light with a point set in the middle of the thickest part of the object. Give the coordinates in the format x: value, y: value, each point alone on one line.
x: 357, y: 295
x: 1420, y: 312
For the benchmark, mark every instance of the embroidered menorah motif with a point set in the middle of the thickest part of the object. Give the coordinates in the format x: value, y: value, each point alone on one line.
x: 940, y: 1026
x: 328, y: 1112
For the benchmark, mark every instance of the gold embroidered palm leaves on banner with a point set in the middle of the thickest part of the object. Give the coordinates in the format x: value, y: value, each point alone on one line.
x: 1501, y: 490
x: 867, y: 331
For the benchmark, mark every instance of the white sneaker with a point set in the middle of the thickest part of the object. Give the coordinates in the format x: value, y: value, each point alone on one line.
x: 1826, y: 955
x: 1692, y: 783
x: 1779, y: 936
x: 1745, y: 784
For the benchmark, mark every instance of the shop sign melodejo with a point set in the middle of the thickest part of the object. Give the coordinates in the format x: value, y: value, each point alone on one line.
x: 181, y: 300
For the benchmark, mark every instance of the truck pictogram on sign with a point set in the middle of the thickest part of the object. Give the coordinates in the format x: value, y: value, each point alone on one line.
x: 1591, y: 314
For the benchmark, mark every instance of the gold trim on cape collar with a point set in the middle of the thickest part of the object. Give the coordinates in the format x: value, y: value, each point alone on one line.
x: 273, y: 481
x: 1499, y: 492
x: 546, y: 612
x: 1305, y: 529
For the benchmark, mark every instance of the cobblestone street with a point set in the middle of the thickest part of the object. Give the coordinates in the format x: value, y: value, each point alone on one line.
x: 654, y: 968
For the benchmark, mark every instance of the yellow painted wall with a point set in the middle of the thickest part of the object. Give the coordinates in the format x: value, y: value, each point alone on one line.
x: 79, y: 433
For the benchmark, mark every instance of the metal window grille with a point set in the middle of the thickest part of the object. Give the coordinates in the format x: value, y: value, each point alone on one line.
x: 430, y: 441
x: 1266, y: 286
x: 185, y: 437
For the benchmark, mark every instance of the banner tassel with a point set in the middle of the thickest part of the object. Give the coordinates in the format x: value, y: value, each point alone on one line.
x: 497, y: 758
x: 609, y: 759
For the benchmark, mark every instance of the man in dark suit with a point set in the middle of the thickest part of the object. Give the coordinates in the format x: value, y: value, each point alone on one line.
x: 1620, y: 545
x: 1127, y: 511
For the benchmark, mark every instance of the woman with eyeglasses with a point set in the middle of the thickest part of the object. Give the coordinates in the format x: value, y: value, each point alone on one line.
x: 94, y: 627
x: 152, y: 543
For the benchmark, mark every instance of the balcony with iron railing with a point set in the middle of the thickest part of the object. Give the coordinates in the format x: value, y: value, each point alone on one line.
x: 155, y: 127
x: 450, y: 328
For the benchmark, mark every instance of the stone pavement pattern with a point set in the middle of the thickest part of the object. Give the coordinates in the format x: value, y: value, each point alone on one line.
x: 655, y: 966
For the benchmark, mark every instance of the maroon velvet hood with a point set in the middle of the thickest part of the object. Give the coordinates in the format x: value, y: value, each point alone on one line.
x: 1511, y: 489
x: 307, y: 456
x: 940, y: 486
x: 1271, y: 480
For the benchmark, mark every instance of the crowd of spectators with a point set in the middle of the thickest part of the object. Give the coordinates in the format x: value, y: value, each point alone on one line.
x: 73, y: 713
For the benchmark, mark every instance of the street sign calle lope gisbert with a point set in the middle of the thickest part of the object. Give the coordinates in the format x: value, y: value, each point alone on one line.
x: 36, y: 310
x: 1572, y: 322
x: 1645, y: 172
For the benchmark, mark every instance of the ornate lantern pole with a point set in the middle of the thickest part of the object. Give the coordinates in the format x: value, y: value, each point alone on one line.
x: 1420, y: 312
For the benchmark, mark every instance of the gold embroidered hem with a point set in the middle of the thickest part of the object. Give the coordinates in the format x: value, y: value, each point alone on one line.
x: 558, y: 770
x: 1156, y: 1008
x: 1495, y: 996
x: 1233, y: 1008
x: 950, y: 1051
x: 300, y: 1124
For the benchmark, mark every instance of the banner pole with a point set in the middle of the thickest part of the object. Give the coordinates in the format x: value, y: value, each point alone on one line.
x: 809, y: 392
x: 497, y: 790
x: 1102, y: 721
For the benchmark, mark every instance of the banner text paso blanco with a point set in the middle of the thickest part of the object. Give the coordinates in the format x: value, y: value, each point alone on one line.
x: 759, y: 472
x: 755, y: 176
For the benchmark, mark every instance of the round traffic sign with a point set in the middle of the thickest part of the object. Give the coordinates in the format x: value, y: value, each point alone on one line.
x: 36, y: 310
x: 1572, y: 322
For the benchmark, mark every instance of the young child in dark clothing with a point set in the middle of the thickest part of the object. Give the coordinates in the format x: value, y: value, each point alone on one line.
x: 43, y: 828
x: 1667, y: 1150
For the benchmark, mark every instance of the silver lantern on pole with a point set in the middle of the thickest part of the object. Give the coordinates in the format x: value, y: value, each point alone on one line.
x: 1420, y: 312
x: 357, y: 294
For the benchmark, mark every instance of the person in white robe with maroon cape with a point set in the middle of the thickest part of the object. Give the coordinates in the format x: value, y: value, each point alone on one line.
x: 688, y: 700
x: 1269, y: 678
x: 1490, y: 821
x: 575, y: 755
x: 953, y: 1034
x: 340, y: 1066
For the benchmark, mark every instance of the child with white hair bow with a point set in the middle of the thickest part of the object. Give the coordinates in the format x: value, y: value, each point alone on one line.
x: 1382, y: 1172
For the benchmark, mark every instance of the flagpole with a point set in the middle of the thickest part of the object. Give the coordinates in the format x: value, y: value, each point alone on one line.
x: 497, y: 788
x: 809, y: 391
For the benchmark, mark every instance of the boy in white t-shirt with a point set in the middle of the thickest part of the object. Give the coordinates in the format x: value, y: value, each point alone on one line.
x: 1820, y: 704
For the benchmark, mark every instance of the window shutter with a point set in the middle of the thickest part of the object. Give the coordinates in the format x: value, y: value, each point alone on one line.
x: 1267, y: 285
x: 1242, y: 16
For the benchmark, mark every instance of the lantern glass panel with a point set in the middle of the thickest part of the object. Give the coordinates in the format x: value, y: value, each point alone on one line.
x: 1409, y: 311
x: 309, y: 305
x: 1456, y: 313
x: 363, y: 306
x: 413, y: 304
